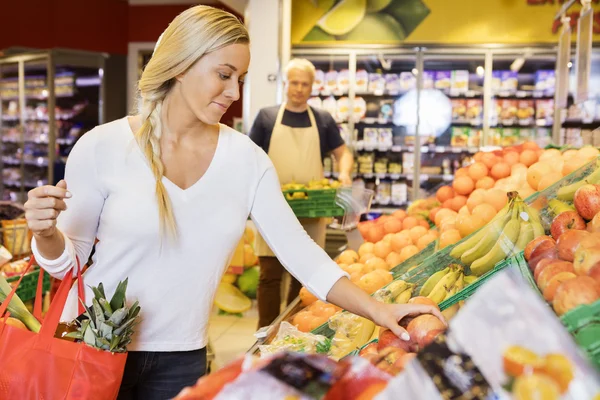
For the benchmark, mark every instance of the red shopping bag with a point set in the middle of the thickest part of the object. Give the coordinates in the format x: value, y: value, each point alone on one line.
x: 36, y: 366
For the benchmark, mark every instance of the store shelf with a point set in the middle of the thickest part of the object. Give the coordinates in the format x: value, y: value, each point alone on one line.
x: 572, y: 123
x: 424, y: 149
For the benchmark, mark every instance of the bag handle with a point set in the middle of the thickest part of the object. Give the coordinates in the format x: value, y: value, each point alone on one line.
x: 8, y: 299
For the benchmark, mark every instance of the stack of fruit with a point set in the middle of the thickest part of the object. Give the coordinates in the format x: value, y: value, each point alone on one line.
x: 566, y: 265
x: 536, y: 377
x: 315, y: 314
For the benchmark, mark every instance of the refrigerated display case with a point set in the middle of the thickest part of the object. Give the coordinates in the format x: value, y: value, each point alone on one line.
x: 48, y: 99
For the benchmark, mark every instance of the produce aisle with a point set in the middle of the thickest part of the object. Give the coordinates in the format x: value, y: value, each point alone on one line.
x: 514, y: 266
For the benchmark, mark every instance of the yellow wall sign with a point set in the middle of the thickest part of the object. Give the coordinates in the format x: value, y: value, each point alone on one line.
x: 326, y: 22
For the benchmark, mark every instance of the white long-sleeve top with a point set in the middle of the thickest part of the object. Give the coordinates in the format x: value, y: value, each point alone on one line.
x: 114, y: 200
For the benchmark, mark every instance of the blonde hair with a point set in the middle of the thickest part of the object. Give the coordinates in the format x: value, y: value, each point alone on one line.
x: 301, y: 64
x: 193, y: 33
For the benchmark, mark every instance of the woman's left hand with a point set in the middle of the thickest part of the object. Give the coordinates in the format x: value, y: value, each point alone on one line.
x: 389, y: 316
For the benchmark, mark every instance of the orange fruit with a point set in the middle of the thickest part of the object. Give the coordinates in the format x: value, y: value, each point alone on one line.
x: 458, y: 202
x: 497, y: 198
x: 461, y: 172
x: 485, y: 211
x: 549, y: 180
x: 486, y: 182
x: 476, y: 198
x: 512, y: 158
x: 302, y: 321
x: 393, y: 259
x: 388, y: 238
x: 365, y: 257
x: 443, y: 214
x: 444, y: 193
x: 399, y: 214
x: 400, y: 241
x: 528, y: 157
x: 425, y: 240
x: 463, y: 185
x: 408, y: 252
x: 382, y: 249
x: 316, y: 322
x: 536, y: 172
x: 375, y: 233
x: 449, y: 237
x: 365, y: 248
x: 560, y: 369
x: 529, y: 145
x: 534, y: 387
x: 467, y: 224
x: 306, y: 297
x: 392, y: 225
x: 348, y: 257
x: 477, y: 157
x: 417, y: 232
x: 500, y: 170
x: 518, y: 360
x: 377, y: 263
x: 489, y: 159
x: 355, y: 268
x: 409, y: 222
x: 478, y: 170
x: 423, y: 223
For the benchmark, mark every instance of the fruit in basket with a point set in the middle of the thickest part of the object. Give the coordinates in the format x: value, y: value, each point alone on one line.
x: 365, y: 248
x: 567, y: 193
x: 554, y: 283
x: 432, y: 281
x: 531, y: 246
x: 388, y: 339
x: 594, y: 225
x: 542, y: 252
x: 424, y: 328
x: 569, y: 242
x: 377, y: 263
x: 444, y: 193
x: 17, y: 308
x: 303, y: 320
x: 382, y: 249
x: 393, y: 259
x: 518, y: 360
x: 575, y: 292
x: 306, y: 297
x: 425, y: 240
x: 535, y: 386
x: 565, y: 221
x: 449, y: 237
x: 587, y: 201
x: 446, y: 283
x: 348, y: 257
x: 408, y: 252
x: 108, y: 325
x: 14, y: 322
x: 551, y: 270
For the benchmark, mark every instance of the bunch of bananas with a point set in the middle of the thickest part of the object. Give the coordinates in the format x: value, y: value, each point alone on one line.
x: 507, y: 234
x: 397, y: 292
x: 446, y: 283
x: 567, y: 193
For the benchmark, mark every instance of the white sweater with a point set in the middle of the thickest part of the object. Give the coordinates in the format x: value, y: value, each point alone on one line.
x: 114, y: 201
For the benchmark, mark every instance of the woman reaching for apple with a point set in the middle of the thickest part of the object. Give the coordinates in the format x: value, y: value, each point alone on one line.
x: 168, y: 192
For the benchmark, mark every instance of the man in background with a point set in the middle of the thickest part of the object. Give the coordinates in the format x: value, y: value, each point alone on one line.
x: 296, y: 137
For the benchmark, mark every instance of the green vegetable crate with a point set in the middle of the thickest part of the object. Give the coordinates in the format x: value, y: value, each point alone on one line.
x: 313, y: 203
x: 584, y: 324
x: 27, y: 288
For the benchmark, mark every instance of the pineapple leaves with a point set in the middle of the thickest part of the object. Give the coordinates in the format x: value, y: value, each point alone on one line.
x: 118, y: 299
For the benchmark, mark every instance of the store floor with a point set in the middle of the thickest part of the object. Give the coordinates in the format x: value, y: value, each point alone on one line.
x: 231, y: 336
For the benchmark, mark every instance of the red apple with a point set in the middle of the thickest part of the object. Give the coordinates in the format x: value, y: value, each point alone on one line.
x: 542, y: 252
x: 555, y: 282
x: 594, y: 224
x: 541, y: 265
x: 568, y: 243
x: 551, y: 270
x: 587, y: 201
x: 594, y: 273
x: 565, y: 221
x: 388, y: 338
x: 430, y: 337
x: 405, y: 359
x: 369, y: 349
x: 585, y: 259
x: 423, y: 300
x: 419, y: 328
x: 575, y: 292
x: 531, y: 246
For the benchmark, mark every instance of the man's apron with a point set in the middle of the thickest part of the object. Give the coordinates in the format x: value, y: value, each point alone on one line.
x: 296, y: 155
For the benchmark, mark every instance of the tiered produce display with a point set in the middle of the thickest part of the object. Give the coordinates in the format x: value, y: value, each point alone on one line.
x: 516, y: 204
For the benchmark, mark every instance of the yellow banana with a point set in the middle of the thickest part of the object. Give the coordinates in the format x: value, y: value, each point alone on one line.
x: 403, y: 297
x: 468, y: 279
x: 558, y: 206
x: 493, y: 232
x: 432, y: 281
x: 391, y: 291
x: 472, y: 241
x: 503, y: 247
x: 525, y: 236
x: 457, y: 287
x: 567, y: 193
x: 451, y: 311
x: 438, y: 294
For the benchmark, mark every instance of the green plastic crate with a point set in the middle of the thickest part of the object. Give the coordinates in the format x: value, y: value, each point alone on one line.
x: 466, y: 292
x: 27, y: 288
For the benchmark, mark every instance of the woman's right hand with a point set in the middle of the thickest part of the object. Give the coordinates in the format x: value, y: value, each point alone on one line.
x: 44, y: 205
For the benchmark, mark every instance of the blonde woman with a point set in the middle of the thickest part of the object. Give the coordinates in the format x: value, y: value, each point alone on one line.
x: 167, y: 194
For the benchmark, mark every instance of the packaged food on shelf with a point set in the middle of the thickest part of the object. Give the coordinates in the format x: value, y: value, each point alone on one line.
x: 459, y: 110
x: 460, y: 82
x: 460, y: 136
x: 392, y: 83
x: 525, y: 112
x: 366, y: 163
x: 443, y: 80
x: 319, y: 82
x: 474, y: 111
x: 331, y: 81
x: 474, y: 139
x: 343, y: 82
x: 381, y: 165
x: 386, y: 139
x: 428, y: 80
x: 315, y: 102
x: 384, y: 193
x: 510, y: 137
x: 508, y: 115
x: 370, y: 138
x: 330, y: 105
x: 407, y: 81
x: 386, y: 110
x: 360, y: 108
x: 545, y: 82
x: 544, y: 112
x: 510, y: 82
x: 343, y: 109
x: 362, y: 81
x: 399, y: 193
x: 376, y: 83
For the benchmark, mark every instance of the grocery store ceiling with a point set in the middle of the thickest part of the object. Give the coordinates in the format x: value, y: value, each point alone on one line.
x: 236, y: 5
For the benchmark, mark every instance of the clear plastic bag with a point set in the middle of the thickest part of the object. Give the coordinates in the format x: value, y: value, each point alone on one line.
x: 289, y: 338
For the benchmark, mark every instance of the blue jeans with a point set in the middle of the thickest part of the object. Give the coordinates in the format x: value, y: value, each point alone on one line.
x: 160, y: 375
